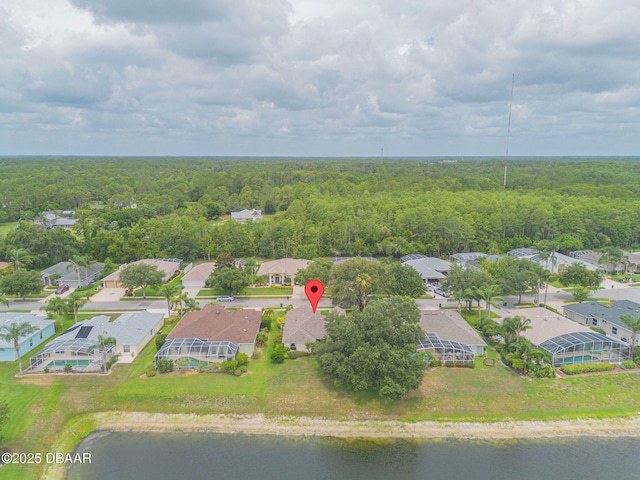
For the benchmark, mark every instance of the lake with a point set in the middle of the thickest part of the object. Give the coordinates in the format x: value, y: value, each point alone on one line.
x: 160, y: 456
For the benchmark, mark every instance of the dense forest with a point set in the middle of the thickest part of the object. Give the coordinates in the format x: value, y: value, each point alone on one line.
x: 176, y: 207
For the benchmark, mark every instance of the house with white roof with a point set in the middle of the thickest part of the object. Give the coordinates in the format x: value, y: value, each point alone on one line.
x: 78, y: 345
x: 243, y: 216
x: 279, y: 270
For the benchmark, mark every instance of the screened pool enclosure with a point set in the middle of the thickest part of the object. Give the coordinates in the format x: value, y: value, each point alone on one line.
x: 445, y: 350
x: 81, y: 353
x: 196, y: 350
x: 585, y: 347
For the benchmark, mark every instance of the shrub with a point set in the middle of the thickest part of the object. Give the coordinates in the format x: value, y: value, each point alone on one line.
x: 111, y: 361
x: 542, y: 371
x: 435, y: 363
x: 160, y: 339
x: 151, y: 372
x: 460, y: 364
x: 586, y: 368
x: 203, y: 367
x: 67, y: 368
x: 293, y: 355
x: 256, y: 355
x: 243, y: 368
x: 277, y: 338
x: 261, y: 339
x: 277, y: 356
x: 242, y: 359
x: 630, y: 364
x: 165, y: 365
x: 229, y: 366
x: 46, y: 370
x: 237, y: 372
x: 214, y: 368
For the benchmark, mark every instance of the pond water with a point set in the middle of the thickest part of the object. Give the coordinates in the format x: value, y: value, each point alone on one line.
x: 151, y: 456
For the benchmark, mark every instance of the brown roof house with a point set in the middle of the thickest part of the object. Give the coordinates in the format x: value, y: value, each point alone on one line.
x: 215, y: 324
x: 302, y: 326
x: 278, y: 270
x: 165, y: 266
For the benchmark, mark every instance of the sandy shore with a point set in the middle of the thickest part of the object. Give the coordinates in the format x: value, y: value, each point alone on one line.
x: 305, y: 426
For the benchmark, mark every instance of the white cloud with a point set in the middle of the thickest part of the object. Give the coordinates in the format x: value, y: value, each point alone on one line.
x: 421, y: 77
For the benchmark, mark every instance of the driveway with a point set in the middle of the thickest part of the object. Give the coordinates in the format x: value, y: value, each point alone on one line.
x: 108, y: 295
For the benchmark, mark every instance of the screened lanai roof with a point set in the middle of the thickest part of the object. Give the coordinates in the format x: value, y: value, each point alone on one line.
x: 184, y: 347
x: 433, y: 341
x: 563, y: 342
x: 80, y: 346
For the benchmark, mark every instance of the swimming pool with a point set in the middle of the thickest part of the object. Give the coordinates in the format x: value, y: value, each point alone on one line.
x: 579, y: 359
x: 74, y: 363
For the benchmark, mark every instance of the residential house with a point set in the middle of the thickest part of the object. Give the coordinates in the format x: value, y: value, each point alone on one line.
x: 279, y: 270
x: 630, y: 264
x: 246, y: 215
x: 567, y: 341
x: 167, y: 266
x: 470, y: 259
x: 78, y: 345
x: 198, y: 275
x: 557, y: 263
x: 62, y: 273
x: 45, y: 330
x: 605, y: 317
x: 431, y: 269
x: 303, y: 326
x: 51, y: 220
x: 449, y: 337
x: 340, y: 260
x: 211, y: 335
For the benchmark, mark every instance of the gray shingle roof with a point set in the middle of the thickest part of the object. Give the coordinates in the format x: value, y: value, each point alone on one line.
x: 449, y: 325
x: 127, y: 329
x: 610, y: 314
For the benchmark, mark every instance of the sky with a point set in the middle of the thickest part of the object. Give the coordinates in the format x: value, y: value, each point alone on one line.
x: 319, y: 77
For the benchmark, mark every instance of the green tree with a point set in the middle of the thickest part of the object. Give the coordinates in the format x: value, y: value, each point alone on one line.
x: 491, y: 296
x: 168, y: 292
x: 353, y: 280
x: 13, y: 333
x: 77, y: 263
x: 404, y: 281
x: 228, y: 279
x: 374, y: 349
x: 634, y: 325
x: 74, y: 302
x: 21, y: 283
x: 316, y: 270
x: 103, y: 345
x: 512, y: 327
x: 141, y: 275
x: 57, y: 306
x: 579, y: 275
x: 20, y: 257
x: 4, y: 301
x: 611, y: 258
x: 226, y: 260
x: 581, y: 294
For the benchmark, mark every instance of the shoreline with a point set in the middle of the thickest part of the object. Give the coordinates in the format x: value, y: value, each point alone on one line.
x: 309, y: 426
x: 116, y: 421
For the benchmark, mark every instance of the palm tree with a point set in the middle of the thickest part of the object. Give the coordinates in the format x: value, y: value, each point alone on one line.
x: 13, y: 332
x: 250, y: 263
x: 512, y: 327
x: 634, y: 324
x: 191, y: 304
x: 20, y: 257
x: 490, y: 296
x: 57, y: 306
x: 477, y: 296
x: 77, y: 262
x: 103, y: 344
x: 612, y: 257
x: 74, y: 302
x: 363, y: 282
x: 168, y: 292
x: 179, y: 300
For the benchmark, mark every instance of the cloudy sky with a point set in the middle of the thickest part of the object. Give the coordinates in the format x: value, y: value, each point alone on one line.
x: 319, y: 77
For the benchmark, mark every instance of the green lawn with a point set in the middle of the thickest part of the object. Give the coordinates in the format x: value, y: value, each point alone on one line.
x: 249, y: 291
x: 7, y: 227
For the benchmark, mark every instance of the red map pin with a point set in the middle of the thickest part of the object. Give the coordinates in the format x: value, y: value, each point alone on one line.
x: 314, y: 290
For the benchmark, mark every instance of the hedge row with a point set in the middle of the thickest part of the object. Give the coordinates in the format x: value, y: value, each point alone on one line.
x: 586, y: 368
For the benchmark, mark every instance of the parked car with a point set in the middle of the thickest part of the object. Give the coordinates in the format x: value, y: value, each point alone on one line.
x: 225, y: 298
x: 61, y: 289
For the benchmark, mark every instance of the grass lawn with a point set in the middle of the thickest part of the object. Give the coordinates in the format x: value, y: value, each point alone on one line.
x: 43, y: 406
x: 7, y: 227
x: 249, y: 291
x: 556, y: 283
x: 153, y: 292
